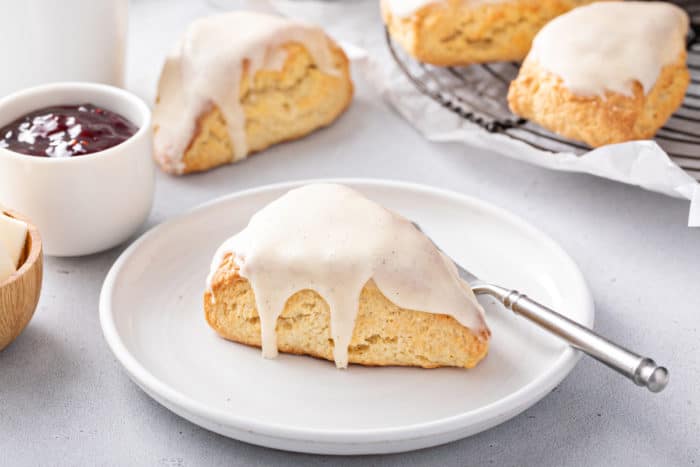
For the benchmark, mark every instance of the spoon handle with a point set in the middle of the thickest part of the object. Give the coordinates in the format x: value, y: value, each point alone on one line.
x: 641, y: 370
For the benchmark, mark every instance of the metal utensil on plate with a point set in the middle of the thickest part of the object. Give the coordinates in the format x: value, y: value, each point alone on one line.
x: 643, y: 371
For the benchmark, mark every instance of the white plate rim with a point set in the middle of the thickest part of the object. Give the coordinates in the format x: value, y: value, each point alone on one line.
x: 485, y: 417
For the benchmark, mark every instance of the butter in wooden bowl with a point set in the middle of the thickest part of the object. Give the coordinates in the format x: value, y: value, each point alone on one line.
x: 21, y: 269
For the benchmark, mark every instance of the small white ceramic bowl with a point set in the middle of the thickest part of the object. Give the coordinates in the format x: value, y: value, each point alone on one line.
x: 86, y: 204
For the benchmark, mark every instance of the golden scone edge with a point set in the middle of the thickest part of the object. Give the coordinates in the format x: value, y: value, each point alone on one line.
x: 279, y: 106
x: 542, y: 97
x: 384, y: 334
x: 455, y: 32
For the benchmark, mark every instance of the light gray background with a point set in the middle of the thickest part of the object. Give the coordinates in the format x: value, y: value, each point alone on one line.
x: 64, y: 400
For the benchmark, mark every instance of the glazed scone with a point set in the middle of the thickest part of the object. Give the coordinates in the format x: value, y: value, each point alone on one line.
x: 384, y: 334
x: 619, y: 87
x: 240, y: 82
x: 323, y: 271
x: 462, y: 32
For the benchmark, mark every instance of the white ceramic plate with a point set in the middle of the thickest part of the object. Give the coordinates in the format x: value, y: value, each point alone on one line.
x: 152, y: 318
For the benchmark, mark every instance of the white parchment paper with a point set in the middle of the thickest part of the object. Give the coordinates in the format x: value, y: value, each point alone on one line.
x: 641, y: 163
x: 357, y: 24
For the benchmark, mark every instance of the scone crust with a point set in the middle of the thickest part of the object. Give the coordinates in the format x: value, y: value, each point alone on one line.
x: 279, y: 105
x: 456, y: 33
x: 542, y: 97
x: 384, y: 333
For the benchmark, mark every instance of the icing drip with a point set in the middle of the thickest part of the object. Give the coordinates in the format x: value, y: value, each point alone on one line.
x: 608, y: 46
x: 206, y: 67
x: 331, y: 239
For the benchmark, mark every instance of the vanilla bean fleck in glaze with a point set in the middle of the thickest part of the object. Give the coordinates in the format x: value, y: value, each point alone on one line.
x: 607, y: 46
x: 331, y: 239
x: 206, y: 68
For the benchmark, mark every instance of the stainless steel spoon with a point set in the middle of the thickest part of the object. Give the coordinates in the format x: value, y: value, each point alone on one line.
x: 643, y: 371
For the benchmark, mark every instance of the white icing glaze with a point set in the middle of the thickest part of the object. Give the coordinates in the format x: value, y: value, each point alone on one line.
x: 331, y: 239
x: 206, y: 66
x: 609, y: 45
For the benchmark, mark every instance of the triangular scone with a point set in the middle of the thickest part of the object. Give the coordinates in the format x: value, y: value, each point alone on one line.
x: 596, y: 78
x: 462, y: 32
x: 239, y: 82
x: 319, y: 291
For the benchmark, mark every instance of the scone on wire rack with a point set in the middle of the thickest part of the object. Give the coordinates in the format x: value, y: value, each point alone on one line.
x: 605, y: 73
x: 239, y: 82
x: 325, y: 272
x: 463, y: 32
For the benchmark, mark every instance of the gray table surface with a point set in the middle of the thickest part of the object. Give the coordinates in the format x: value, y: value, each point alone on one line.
x: 64, y: 399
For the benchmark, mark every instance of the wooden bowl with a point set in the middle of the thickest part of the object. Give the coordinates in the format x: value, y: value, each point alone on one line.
x: 19, y: 293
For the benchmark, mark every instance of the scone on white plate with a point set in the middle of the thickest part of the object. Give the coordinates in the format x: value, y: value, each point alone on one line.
x: 323, y: 271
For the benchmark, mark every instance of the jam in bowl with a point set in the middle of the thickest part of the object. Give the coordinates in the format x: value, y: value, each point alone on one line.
x: 76, y: 160
x: 66, y: 131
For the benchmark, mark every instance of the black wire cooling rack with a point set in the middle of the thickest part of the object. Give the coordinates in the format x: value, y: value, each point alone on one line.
x: 477, y: 93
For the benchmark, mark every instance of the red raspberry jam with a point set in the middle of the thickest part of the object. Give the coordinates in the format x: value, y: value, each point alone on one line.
x: 66, y: 131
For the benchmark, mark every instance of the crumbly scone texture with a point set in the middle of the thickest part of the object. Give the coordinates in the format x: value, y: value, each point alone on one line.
x: 384, y: 333
x: 458, y: 32
x: 542, y: 97
x: 279, y: 105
